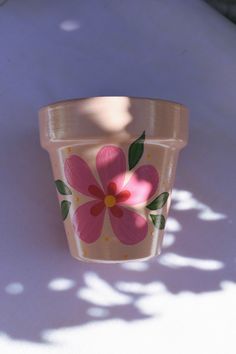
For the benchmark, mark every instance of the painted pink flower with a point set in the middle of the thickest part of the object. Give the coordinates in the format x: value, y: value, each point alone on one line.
x: 114, y: 194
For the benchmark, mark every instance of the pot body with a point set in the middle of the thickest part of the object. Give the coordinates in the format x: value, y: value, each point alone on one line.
x: 114, y: 162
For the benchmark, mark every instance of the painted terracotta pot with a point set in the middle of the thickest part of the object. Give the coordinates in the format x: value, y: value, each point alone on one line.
x: 114, y: 162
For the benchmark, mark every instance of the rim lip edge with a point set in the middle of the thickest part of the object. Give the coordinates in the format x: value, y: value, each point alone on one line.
x: 57, y: 104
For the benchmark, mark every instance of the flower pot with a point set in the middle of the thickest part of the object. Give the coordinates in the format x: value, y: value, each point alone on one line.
x: 114, y: 161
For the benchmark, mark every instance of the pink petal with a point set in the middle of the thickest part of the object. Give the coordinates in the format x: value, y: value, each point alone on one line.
x: 96, y: 191
x: 97, y: 208
x: 87, y: 226
x: 111, y: 166
x: 79, y: 175
x: 122, y: 196
x: 112, y: 188
x: 142, y: 185
x: 116, y: 211
x: 130, y: 228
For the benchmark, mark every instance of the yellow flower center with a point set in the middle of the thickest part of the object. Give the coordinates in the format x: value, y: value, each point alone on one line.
x: 109, y: 201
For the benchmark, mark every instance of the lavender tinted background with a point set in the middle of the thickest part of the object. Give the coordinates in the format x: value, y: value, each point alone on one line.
x: 52, y: 50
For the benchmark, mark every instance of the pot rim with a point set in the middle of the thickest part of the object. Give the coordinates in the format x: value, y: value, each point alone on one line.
x: 59, y: 103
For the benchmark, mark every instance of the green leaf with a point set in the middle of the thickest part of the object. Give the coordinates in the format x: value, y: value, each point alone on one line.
x: 158, y: 202
x: 158, y: 221
x: 65, y: 207
x: 136, y: 151
x: 62, y: 187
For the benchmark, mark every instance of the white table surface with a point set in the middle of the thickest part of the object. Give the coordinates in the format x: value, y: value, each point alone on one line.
x: 184, y: 301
